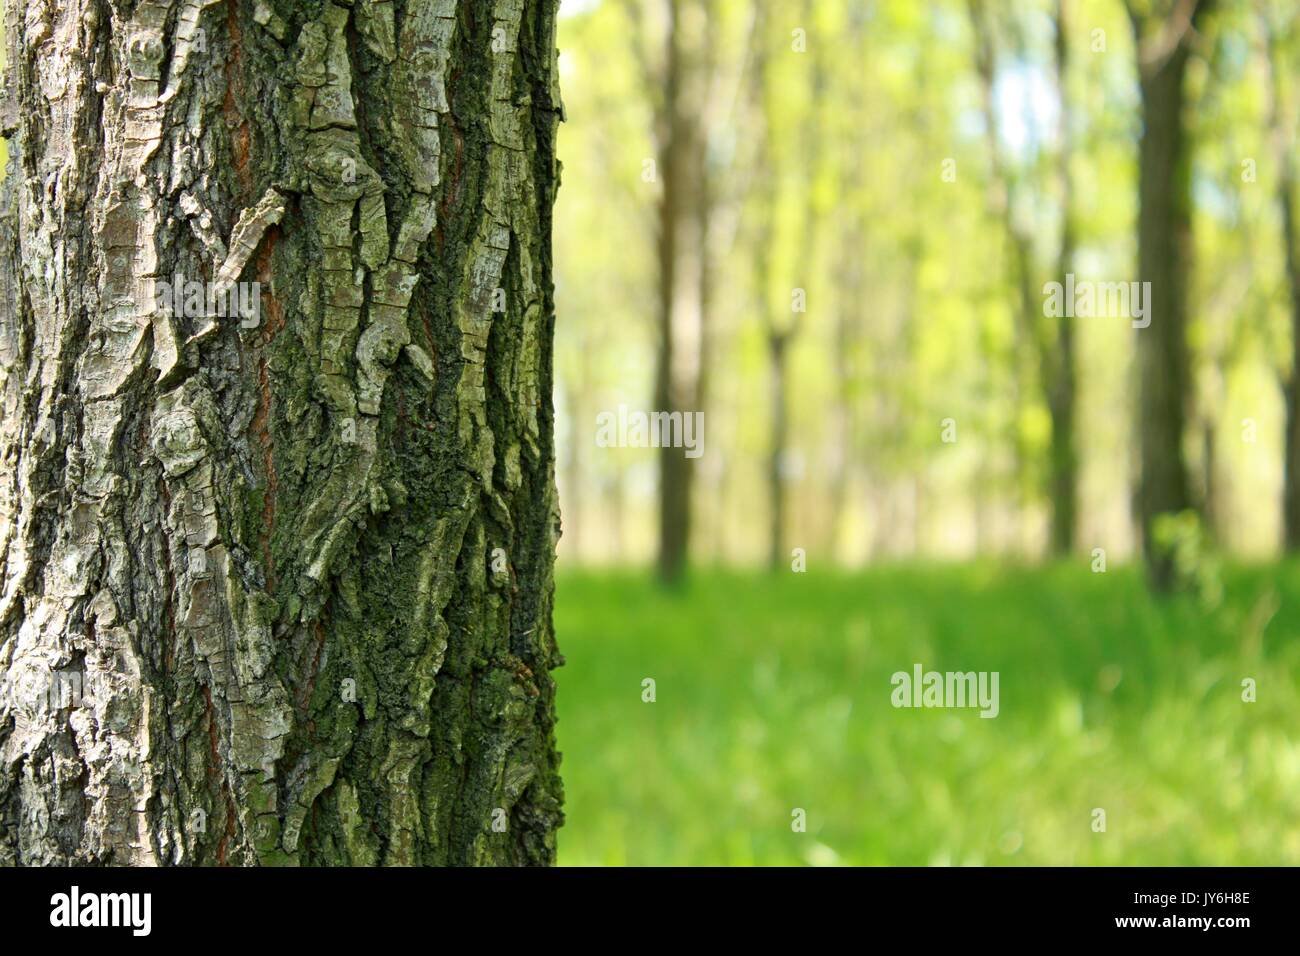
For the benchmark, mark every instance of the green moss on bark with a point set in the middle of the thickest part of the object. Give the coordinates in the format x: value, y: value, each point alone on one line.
x: 342, y: 681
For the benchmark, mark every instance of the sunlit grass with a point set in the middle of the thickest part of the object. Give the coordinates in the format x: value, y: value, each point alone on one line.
x: 773, y: 693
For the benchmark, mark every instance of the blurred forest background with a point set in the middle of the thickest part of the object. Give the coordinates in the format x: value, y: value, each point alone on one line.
x: 828, y: 225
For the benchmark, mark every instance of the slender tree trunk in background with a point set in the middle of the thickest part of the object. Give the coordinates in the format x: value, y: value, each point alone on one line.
x: 680, y: 319
x: 1064, y: 461
x: 700, y: 228
x: 704, y: 296
x: 775, y: 338
x: 674, y: 477
x: 1002, y: 188
x: 1061, y: 385
x: 573, y: 470
x: 1051, y: 346
x: 263, y: 557
x: 1164, y: 257
x: 848, y: 320
x: 1286, y: 201
x: 1209, y: 481
x: 1291, y: 392
x: 780, y: 337
x: 779, y: 440
x: 706, y: 198
x: 898, y: 499
x: 851, y: 302
x: 616, y: 502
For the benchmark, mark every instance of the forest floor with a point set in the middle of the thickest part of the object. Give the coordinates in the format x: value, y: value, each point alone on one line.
x: 773, y: 694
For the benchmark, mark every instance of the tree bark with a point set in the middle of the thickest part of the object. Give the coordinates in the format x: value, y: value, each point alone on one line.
x: 1164, y: 258
x: 265, y: 556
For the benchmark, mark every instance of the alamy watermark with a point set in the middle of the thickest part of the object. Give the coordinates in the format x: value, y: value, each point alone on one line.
x: 44, y: 693
x: 76, y: 908
x: 636, y: 429
x: 193, y: 299
x: 1086, y: 299
x: 923, y: 688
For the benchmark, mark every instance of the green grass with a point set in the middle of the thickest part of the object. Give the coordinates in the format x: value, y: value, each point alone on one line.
x: 773, y: 693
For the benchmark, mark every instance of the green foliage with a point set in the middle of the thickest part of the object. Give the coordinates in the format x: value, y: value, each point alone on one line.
x: 912, y: 312
x: 1196, y: 566
x: 773, y: 694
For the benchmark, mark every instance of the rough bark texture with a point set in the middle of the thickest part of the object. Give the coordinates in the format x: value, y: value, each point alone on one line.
x: 267, y: 555
x: 1164, y: 260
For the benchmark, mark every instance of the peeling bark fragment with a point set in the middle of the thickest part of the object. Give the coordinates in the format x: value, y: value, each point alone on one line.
x: 264, y: 16
x: 252, y: 224
x: 187, y: 31
x: 375, y: 22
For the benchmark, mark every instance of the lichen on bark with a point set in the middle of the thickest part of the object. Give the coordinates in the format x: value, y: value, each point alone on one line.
x: 266, y: 548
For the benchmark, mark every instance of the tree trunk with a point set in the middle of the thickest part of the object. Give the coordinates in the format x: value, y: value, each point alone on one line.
x: 676, y: 371
x: 779, y: 441
x: 1062, y: 384
x: 277, y: 589
x: 1164, y: 256
x: 1064, y: 463
x: 848, y: 324
x: 1282, y: 137
x: 1051, y: 346
x: 781, y: 336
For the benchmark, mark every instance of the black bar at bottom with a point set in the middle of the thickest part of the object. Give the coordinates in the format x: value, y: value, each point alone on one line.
x: 364, y: 906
